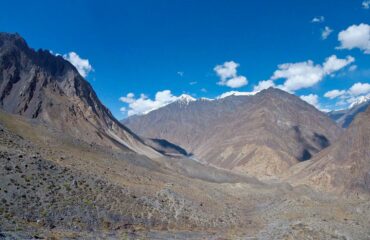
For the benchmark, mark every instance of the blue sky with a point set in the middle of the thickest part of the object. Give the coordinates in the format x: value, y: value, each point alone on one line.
x: 145, y: 47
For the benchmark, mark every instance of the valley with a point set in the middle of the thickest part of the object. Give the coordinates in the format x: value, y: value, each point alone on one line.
x: 265, y: 166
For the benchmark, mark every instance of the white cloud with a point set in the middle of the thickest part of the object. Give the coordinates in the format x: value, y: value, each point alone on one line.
x: 82, y: 65
x: 312, y: 99
x: 229, y: 76
x: 318, y: 19
x: 193, y: 83
x: 355, y: 36
x: 128, y: 99
x: 366, y: 4
x: 264, y: 84
x: 333, y: 64
x: 143, y: 104
x: 181, y: 74
x: 359, y: 89
x: 235, y: 93
x: 334, y: 93
x: 307, y: 74
x: 298, y: 75
x: 236, y: 82
x: 326, y: 32
x: 226, y: 70
x: 203, y: 90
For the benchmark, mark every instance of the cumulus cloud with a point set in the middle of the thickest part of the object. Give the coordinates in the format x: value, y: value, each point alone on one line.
x: 318, y: 19
x: 312, y: 99
x: 366, y: 4
x: 333, y: 64
x: 334, y: 93
x: 298, y: 75
x: 355, y: 36
x: 264, y: 84
x: 326, y: 32
x: 236, y: 82
x: 143, y: 104
x: 235, y: 93
x: 82, y: 65
x: 307, y: 74
x: 359, y: 89
x: 129, y: 98
x: 229, y: 76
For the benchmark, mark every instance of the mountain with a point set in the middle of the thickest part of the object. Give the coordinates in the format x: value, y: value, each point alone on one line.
x: 47, y: 88
x: 343, y: 167
x: 262, y: 135
x: 345, y: 117
x: 52, y: 189
x: 58, y: 180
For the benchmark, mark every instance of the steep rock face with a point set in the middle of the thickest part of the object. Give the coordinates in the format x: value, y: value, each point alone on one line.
x: 39, y: 85
x: 344, y: 167
x: 262, y: 135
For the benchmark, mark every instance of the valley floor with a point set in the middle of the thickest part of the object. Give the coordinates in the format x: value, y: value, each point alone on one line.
x: 53, y: 186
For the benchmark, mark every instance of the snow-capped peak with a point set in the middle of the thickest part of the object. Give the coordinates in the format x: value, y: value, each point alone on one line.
x: 185, y: 98
x: 359, y: 101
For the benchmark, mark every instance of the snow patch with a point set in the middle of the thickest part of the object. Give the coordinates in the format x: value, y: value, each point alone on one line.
x: 359, y: 101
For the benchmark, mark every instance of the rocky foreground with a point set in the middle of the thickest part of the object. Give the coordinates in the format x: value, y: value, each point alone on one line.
x: 56, y: 186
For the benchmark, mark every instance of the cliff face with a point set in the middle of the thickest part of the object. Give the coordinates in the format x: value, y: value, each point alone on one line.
x: 39, y: 85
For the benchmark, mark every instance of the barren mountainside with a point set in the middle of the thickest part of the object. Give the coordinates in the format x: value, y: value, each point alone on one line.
x: 262, y: 135
x: 344, y: 167
x: 39, y: 85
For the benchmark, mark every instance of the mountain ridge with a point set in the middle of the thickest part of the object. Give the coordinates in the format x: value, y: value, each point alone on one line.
x: 343, y: 167
x: 39, y: 85
x: 236, y: 132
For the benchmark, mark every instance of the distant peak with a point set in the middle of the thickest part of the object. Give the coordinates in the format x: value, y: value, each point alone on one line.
x: 10, y: 35
x: 273, y: 90
x: 359, y: 101
x: 12, y: 39
x: 185, y: 98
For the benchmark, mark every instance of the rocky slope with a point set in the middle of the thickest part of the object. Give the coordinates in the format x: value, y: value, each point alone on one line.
x: 344, y: 167
x: 39, y: 85
x: 262, y: 135
x: 53, y: 186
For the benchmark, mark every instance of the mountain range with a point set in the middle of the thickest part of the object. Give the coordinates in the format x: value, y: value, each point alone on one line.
x: 262, y: 135
x: 262, y: 166
x: 344, y: 166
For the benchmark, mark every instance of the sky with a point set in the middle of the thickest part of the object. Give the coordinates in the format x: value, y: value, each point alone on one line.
x: 140, y: 55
